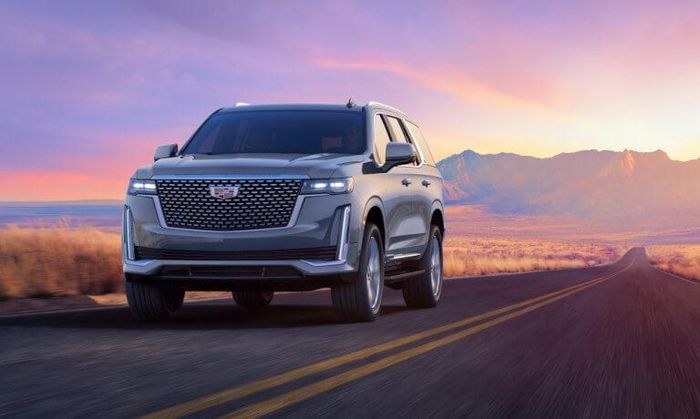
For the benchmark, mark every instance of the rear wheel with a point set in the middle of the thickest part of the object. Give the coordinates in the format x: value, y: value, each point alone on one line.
x: 361, y: 299
x: 253, y: 299
x: 149, y: 302
x: 425, y: 290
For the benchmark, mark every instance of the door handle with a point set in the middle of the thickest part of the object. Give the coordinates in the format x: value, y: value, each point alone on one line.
x: 425, y: 183
x: 406, y: 181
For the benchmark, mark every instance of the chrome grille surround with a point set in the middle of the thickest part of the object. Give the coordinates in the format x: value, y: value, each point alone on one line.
x: 261, y: 203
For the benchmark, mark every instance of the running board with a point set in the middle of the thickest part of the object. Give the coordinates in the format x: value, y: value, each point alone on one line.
x: 402, y: 276
x: 403, y: 256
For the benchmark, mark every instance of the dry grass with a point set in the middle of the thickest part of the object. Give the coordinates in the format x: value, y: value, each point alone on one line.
x: 481, y: 256
x: 683, y: 260
x: 40, y: 262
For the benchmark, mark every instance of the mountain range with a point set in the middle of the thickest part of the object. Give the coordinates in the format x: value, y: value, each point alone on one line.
x: 588, y: 183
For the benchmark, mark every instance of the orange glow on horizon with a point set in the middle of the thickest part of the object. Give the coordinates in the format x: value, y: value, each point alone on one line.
x: 61, y: 186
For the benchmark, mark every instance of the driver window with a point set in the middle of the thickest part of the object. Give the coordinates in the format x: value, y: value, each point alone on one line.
x: 381, y: 139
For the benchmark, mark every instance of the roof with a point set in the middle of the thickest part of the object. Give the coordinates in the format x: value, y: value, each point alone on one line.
x: 309, y: 107
x: 294, y: 107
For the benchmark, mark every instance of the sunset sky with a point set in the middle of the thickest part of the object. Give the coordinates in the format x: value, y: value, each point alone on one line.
x: 90, y: 88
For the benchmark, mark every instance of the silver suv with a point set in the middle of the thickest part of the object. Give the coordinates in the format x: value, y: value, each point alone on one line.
x: 288, y: 198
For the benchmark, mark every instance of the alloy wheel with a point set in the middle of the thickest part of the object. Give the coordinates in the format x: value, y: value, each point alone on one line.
x: 436, y: 267
x: 374, y: 273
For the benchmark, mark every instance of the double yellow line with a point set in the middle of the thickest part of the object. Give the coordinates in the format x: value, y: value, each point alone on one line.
x: 273, y: 404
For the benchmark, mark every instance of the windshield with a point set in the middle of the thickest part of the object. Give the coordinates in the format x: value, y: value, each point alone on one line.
x: 287, y: 132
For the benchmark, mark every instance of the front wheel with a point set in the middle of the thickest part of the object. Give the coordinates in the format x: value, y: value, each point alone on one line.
x: 361, y: 299
x: 425, y: 290
x: 149, y: 302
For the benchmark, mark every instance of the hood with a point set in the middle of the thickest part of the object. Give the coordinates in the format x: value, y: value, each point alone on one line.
x: 313, y: 166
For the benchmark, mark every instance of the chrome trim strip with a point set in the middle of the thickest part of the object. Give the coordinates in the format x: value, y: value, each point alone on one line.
x: 317, y: 263
x: 159, y: 212
x: 343, y: 244
x: 403, y: 256
x: 128, y: 225
x: 308, y: 269
x: 343, y: 241
x: 140, y: 262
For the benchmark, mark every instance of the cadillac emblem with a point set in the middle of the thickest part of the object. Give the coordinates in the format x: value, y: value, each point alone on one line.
x: 224, y: 193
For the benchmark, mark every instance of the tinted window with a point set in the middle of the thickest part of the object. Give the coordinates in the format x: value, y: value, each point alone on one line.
x: 400, y: 135
x: 419, y: 140
x: 287, y: 132
x: 395, y: 124
x: 381, y: 139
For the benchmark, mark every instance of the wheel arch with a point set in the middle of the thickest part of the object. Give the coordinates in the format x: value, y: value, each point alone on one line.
x: 374, y: 213
x: 437, y: 216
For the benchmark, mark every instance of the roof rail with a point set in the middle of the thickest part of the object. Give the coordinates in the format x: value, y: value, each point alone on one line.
x: 238, y: 104
x: 372, y: 103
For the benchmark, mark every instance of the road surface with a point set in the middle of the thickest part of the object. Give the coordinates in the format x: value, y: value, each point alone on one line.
x: 613, y: 341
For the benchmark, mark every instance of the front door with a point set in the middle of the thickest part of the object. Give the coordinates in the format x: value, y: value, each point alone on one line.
x: 408, y: 227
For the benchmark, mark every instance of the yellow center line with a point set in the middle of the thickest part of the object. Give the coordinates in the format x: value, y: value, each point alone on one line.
x: 245, y: 390
x: 295, y: 396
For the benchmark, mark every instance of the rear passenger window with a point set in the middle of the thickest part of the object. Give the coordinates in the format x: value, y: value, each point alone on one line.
x: 419, y: 140
x: 400, y: 135
x: 381, y: 139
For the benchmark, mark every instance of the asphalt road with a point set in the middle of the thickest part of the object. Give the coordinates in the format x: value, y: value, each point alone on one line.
x: 614, y: 341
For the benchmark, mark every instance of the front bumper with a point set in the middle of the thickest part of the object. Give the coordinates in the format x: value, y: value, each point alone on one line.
x: 322, y: 221
x: 306, y: 268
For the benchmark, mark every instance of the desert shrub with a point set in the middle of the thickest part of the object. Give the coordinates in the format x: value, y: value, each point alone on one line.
x: 40, y: 262
x: 683, y: 260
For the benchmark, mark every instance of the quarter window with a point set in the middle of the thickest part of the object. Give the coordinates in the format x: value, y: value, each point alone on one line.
x: 419, y: 140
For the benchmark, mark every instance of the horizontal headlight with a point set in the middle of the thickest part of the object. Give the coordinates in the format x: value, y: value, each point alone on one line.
x: 330, y: 186
x: 141, y: 187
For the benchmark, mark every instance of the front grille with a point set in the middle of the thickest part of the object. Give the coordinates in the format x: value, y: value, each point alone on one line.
x: 260, y: 203
x: 312, y: 253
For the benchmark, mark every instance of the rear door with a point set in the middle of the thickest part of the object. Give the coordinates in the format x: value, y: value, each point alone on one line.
x: 428, y: 175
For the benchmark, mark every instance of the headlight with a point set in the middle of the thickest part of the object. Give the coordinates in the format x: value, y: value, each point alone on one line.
x: 327, y: 186
x: 142, y: 187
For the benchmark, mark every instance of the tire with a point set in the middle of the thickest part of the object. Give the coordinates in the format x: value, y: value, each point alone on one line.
x: 361, y: 299
x: 253, y: 299
x: 149, y: 302
x: 425, y: 290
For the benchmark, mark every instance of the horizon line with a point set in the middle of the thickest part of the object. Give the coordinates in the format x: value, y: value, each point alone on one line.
x: 571, y: 152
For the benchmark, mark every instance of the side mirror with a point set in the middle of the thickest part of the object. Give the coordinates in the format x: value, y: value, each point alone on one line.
x: 165, y: 151
x: 399, y: 153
